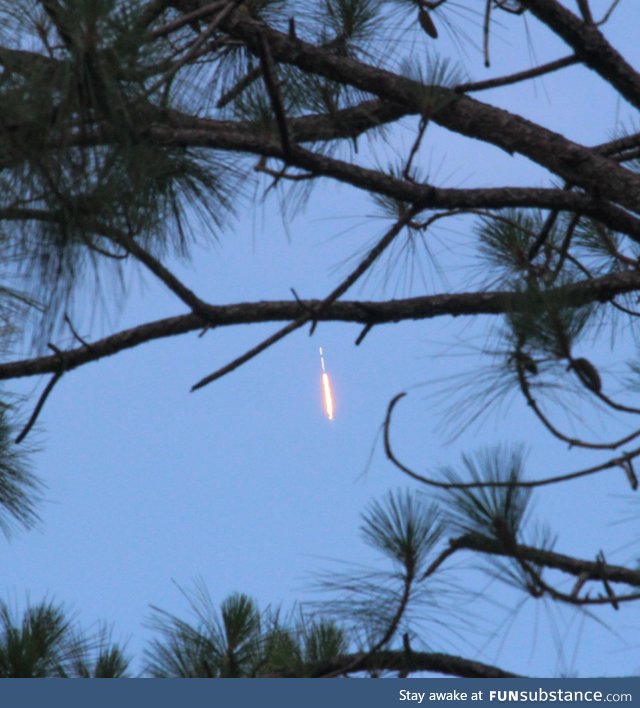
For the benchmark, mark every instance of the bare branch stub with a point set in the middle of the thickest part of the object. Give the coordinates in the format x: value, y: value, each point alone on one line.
x: 44, y: 395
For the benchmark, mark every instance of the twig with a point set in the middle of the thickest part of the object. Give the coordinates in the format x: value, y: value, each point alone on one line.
x: 582, y: 579
x: 572, y: 442
x: 614, y: 462
x: 36, y: 411
x: 585, y: 11
x: 630, y: 473
x: 542, y: 237
x: 600, y: 559
x: 519, y: 76
x: 449, y: 551
x: 365, y: 331
x: 271, y: 83
x: 608, y: 13
x: 241, y: 85
x: 277, y: 175
x: 104, y: 252
x: 283, y: 174
x: 406, y: 172
x: 186, y: 19
x: 485, y: 33
x: 76, y: 335
x: 163, y: 274
x: 566, y: 242
x: 195, y: 47
x: 43, y: 397
x: 408, y: 579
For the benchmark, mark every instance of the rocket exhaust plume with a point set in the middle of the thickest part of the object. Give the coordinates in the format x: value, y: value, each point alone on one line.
x: 327, y: 393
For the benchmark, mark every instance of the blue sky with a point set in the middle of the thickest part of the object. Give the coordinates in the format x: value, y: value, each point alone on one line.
x: 245, y: 484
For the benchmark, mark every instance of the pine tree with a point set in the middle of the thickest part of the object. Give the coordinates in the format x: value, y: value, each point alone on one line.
x: 130, y: 129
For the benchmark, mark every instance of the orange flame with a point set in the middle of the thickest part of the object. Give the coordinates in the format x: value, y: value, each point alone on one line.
x: 328, y: 395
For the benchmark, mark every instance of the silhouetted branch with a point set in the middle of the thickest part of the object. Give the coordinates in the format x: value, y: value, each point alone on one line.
x: 591, y: 570
x: 510, y: 79
x: 432, y: 662
x: 590, y: 45
x: 432, y: 482
x: 360, y: 312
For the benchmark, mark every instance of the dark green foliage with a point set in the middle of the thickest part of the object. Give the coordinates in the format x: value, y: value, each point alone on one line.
x: 18, y: 488
x: 280, y: 652
x: 236, y: 640
x: 41, y: 645
x: 547, y: 321
x: 349, y: 24
x: 602, y: 247
x: 241, y: 622
x: 111, y: 663
x: 79, y: 171
x: 223, y: 643
x: 378, y: 605
x: 45, y: 643
x: 403, y: 528
x: 113, y: 119
x: 495, y: 512
x: 505, y: 242
x: 324, y: 641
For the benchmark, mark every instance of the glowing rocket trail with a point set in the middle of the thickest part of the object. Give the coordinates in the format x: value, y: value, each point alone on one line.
x: 326, y: 389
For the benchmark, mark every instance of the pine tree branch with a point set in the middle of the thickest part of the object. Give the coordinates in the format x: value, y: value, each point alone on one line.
x: 344, y: 123
x: 404, y: 190
x: 590, y: 45
x: 519, y: 76
x: 573, y: 162
x: 194, y: 51
x: 39, y: 406
x: 538, y: 587
x: 188, y: 18
x: 198, y: 306
x: 462, y: 114
x: 411, y: 663
x: 358, y: 312
x: 592, y: 570
x: 555, y: 431
x: 172, y: 128
x: 273, y: 89
x: 430, y: 481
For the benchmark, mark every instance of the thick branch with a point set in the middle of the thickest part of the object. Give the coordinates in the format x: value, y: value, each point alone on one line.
x: 576, y: 164
x: 590, y: 45
x: 412, y: 662
x: 593, y: 570
x: 365, y: 313
x: 462, y: 114
x: 403, y: 190
x: 173, y: 128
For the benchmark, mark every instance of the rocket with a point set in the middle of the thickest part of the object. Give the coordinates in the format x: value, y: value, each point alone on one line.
x: 327, y: 393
